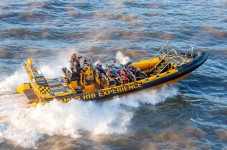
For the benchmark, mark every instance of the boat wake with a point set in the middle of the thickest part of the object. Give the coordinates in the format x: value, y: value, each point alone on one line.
x: 24, y: 126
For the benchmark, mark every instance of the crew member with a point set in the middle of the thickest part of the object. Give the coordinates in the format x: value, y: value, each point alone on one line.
x: 75, y: 67
x: 75, y: 60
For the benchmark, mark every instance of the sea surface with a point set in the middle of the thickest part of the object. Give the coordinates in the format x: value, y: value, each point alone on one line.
x: 190, y: 114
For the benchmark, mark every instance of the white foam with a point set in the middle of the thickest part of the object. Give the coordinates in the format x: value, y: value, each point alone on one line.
x: 121, y: 58
x: 26, y: 126
x: 9, y: 83
x: 150, y: 96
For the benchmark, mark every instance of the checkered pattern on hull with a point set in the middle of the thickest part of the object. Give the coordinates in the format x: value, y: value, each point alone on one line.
x: 44, y: 90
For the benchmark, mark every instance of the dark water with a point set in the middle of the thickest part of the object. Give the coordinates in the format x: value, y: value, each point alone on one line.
x: 191, y: 114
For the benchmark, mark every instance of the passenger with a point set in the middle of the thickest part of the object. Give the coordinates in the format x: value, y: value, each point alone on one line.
x: 113, y: 63
x: 129, y: 75
x: 100, y: 68
x: 136, y: 71
x: 127, y: 69
x: 114, y: 67
x: 116, y: 77
x: 128, y: 65
x: 112, y: 75
x: 123, y: 76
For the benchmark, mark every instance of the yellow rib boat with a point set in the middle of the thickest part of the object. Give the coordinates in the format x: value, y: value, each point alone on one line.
x: 162, y: 68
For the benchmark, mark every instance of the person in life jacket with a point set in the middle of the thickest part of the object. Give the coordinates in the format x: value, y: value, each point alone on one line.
x: 114, y: 67
x: 100, y: 68
x: 75, y: 67
x: 136, y: 71
x: 75, y: 60
x: 124, y: 76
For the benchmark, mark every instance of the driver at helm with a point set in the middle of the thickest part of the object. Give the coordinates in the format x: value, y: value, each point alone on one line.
x: 75, y: 61
x: 75, y: 66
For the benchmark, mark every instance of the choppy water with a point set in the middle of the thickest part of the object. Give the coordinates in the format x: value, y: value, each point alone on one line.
x: 191, y: 114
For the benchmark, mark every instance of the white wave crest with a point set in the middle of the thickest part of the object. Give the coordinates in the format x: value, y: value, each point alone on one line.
x: 121, y: 58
